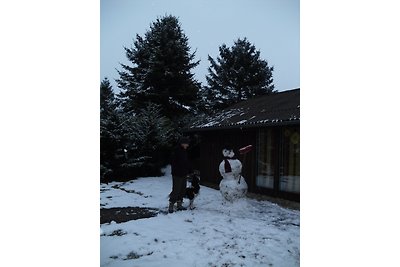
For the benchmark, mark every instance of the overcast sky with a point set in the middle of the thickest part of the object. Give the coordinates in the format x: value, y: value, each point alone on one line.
x: 273, y: 26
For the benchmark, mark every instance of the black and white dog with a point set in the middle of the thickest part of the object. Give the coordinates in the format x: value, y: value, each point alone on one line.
x: 194, y: 189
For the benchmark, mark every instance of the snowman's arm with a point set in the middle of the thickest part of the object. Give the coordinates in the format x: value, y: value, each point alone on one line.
x: 222, y: 168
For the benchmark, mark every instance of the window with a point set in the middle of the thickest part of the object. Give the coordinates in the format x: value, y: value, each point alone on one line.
x: 289, y: 179
x: 266, y: 161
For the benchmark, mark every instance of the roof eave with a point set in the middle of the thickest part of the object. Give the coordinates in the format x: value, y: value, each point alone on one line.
x: 243, y: 126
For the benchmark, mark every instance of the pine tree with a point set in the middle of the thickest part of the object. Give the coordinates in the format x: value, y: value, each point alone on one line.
x: 109, y: 128
x: 107, y: 99
x: 160, y: 71
x: 238, y: 74
x: 148, y: 137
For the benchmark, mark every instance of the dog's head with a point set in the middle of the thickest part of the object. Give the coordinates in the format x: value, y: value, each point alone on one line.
x: 194, y: 179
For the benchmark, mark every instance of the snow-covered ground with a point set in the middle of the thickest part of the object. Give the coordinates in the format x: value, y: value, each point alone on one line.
x: 244, y: 233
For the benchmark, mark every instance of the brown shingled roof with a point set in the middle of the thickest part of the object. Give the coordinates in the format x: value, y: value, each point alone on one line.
x: 273, y: 109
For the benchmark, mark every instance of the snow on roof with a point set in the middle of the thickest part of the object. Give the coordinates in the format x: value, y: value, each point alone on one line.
x: 277, y: 108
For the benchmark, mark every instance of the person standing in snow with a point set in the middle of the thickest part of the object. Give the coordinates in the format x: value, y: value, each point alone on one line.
x: 180, y: 168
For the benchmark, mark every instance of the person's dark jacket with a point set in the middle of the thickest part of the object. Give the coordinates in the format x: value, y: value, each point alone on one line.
x: 180, y: 164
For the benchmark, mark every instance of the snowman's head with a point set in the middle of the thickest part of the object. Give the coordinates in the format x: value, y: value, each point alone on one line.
x: 228, y: 153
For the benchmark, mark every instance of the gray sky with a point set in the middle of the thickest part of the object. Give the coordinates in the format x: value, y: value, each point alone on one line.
x: 273, y: 26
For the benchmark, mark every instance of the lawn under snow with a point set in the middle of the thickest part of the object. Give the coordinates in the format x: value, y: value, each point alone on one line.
x: 244, y: 233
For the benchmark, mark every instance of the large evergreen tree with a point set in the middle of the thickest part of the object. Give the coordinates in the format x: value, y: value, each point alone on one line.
x: 107, y: 98
x: 109, y: 129
x: 238, y: 74
x: 132, y: 144
x: 160, y: 72
x: 147, y: 138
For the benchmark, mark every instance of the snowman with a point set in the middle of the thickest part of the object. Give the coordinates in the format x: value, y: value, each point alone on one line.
x: 232, y: 186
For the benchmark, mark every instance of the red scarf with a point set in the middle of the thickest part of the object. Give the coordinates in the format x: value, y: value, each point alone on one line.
x: 227, y: 166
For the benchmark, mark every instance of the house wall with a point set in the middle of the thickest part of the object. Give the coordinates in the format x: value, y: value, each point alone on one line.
x: 211, y: 145
x: 209, y: 151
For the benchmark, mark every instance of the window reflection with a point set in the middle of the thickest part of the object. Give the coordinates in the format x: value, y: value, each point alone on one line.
x: 290, y: 172
x: 266, y: 162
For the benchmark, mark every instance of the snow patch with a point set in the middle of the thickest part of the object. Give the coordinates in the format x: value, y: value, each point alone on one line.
x: 246, y: 232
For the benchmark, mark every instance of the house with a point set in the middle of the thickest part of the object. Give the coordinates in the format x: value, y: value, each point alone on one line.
x: 271, y: 124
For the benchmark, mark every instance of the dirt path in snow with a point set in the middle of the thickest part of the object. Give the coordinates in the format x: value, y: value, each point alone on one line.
x: 120, y: 215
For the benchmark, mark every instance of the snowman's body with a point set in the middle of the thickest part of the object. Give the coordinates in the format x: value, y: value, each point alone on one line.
x: 232, y: 186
